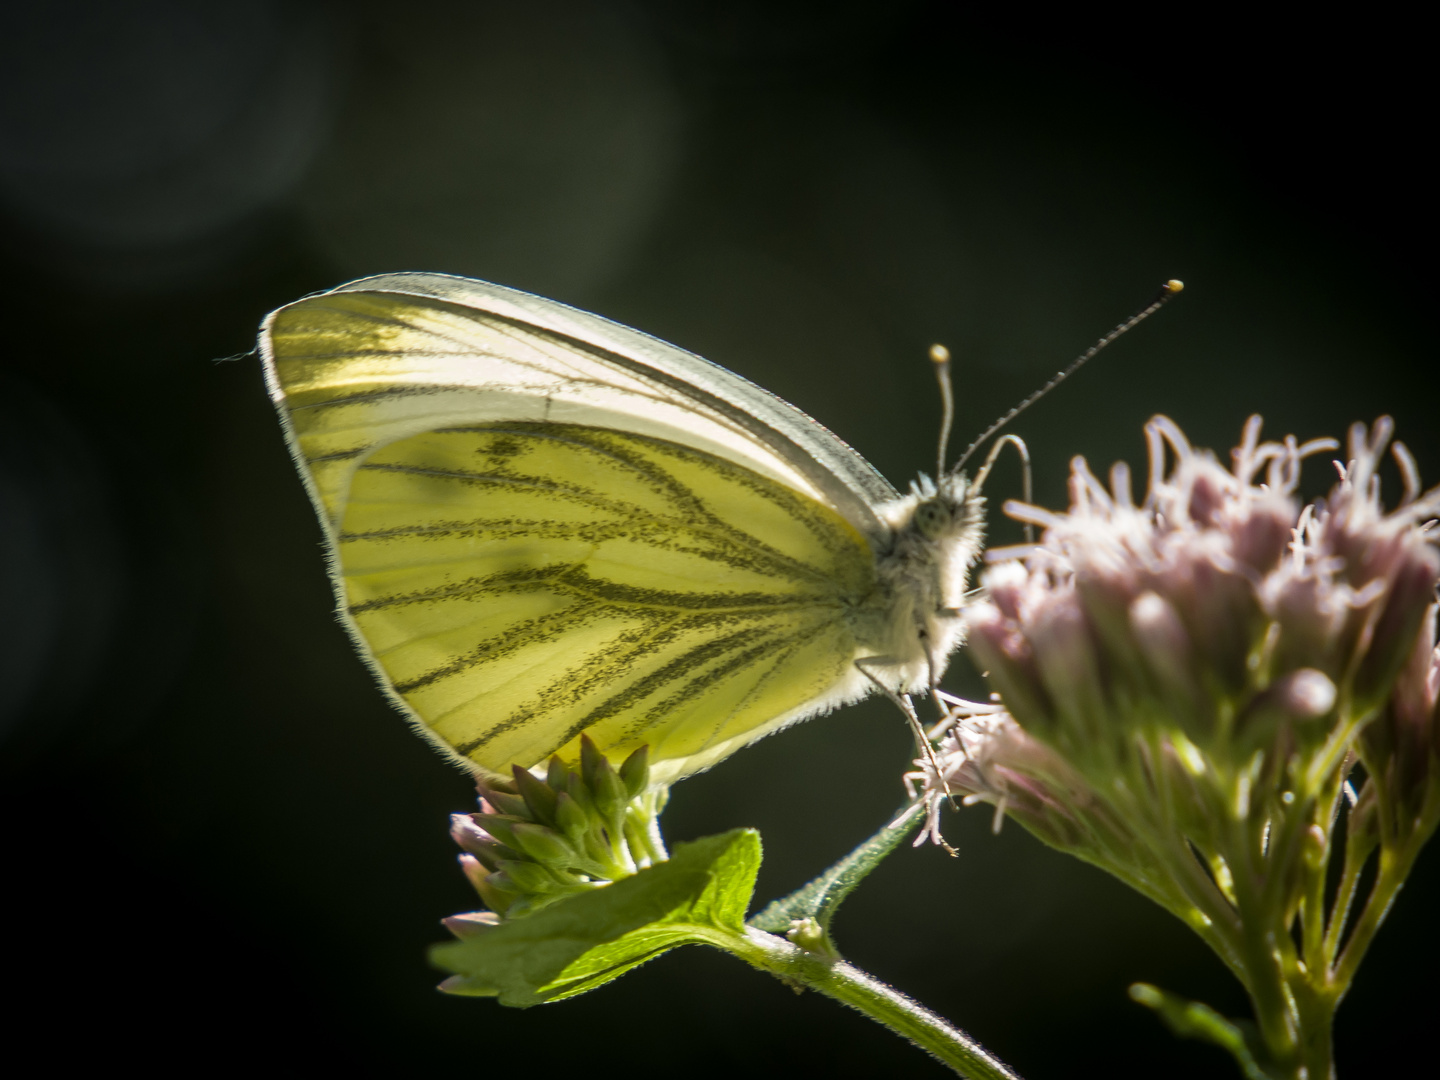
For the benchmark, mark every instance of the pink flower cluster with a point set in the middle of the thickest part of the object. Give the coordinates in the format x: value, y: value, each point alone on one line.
x: 1217, y: 641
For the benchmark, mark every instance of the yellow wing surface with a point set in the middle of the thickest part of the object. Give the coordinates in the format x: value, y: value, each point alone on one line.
x: 531, y: 539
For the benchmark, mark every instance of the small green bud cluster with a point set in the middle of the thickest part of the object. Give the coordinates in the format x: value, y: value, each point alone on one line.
x: 539, y: 840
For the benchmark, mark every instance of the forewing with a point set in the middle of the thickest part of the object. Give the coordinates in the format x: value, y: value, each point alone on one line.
x: 385, y: 358
x: 518, y: 583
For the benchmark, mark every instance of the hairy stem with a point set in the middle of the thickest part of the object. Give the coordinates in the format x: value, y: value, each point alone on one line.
x: 1397, y: 858
x: 1358, y: 848
x: 850, y: 986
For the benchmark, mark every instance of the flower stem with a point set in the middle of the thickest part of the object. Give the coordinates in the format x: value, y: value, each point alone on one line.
x: 1315, y: 1011
x: 849, y: 985
x: 1394, y: 866
x: 1359, y: 846
x: 1397, y: 857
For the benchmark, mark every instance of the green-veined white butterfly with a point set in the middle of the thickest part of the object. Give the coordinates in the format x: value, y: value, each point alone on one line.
x: 542, y: 523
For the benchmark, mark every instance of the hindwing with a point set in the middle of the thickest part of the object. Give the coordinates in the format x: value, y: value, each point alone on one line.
x: 518, y: 584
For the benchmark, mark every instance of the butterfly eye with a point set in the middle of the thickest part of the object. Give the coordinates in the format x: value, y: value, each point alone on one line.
x: 932, y: 518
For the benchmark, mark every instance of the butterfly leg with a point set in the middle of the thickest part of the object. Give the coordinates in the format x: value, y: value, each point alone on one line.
x: 907, y: 707
x: 922, y: 741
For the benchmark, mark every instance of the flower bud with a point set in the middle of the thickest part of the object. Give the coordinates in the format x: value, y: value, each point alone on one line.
x: 1309, y: 612
x: 1210, y: 493
x: 1298, y: 697
x: 1259, y: 538
x: 1225, y: 620
x: 543, y: 844
x: 499, y: 892
x: 505, y: 803
x: 1403, y: 743
x: 1067, y: 661
x: 600, y: 777
x: 539, y: 797
x: 591, y: 761
x: 1004, y: 587
x: 469, y: 836
x: 571, y: 817
x: 579, y: 791
x: 500, y: 827
x: 809, y: 935
x: 475, y: 871
x: 1107, y: 602
x: 529, y: 877
x: 1306, y: 694
x: 1392, y: 642
x: 987, y: 757
x: 1007, y: 656
x: 635, y: 772
x: 1169, y: 658
x: 557, y: 774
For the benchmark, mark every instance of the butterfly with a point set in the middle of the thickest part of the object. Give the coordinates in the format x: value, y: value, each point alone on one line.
x: 542, y: 524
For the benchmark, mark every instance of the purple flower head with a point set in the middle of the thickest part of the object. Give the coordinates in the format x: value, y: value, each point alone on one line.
x: 1215, y: 610
x: 1216, y: 641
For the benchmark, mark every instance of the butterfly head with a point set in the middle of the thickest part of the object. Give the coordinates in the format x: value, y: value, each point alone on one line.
x: 938, y: 513
x: 936, y: 517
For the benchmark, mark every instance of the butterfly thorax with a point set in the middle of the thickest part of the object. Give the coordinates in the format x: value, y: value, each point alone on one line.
x: 921, y: 579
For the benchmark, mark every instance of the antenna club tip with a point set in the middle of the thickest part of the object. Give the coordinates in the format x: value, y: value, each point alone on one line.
x: 939, y: 354
x: 1174, y: 285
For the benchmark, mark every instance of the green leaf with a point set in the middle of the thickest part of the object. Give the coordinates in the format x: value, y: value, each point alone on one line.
x: 1195, y: 1020
x: 820, y: 899
x: 568, y: 947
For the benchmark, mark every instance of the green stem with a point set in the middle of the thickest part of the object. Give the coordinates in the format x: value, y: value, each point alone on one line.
x: 1358, y: 848
x: 1315, y: 1010
x: 1396, y: 862
x: 850, y: 986
x: 1312, y: 921
x: 1316, y: 869
x: 821, y: 898
x: 1263, y: 940
x: 1268, y: 992
x: 1394, y: 867
x: 1222, y: 928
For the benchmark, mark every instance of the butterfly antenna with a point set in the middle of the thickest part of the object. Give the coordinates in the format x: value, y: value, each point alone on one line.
x: 231, y: 359
x: 1169, y: 289
x: 941, y: 356
x: 1027, y: 480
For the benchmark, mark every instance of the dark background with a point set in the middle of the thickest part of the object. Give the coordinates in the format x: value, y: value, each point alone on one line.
x: 224, y: 852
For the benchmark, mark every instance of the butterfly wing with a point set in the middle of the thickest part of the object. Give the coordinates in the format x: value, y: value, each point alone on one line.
x: 543, y: 523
